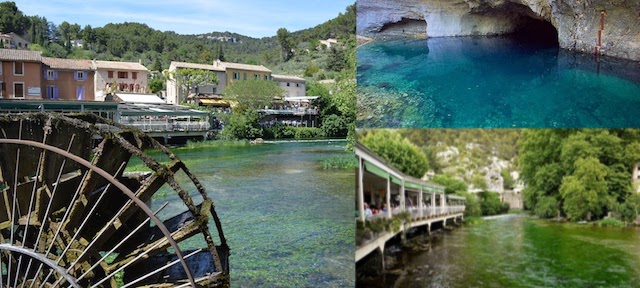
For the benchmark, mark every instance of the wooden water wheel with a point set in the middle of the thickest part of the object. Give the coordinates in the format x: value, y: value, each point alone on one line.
x: 71, y: 216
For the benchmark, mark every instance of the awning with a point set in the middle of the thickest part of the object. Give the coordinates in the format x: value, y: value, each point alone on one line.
x: 214, y: 102
x: 139, y: 98
x: 300, y: 98
x: 375, y: 170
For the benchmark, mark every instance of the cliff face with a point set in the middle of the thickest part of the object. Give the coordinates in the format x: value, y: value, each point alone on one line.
x: 577, y: 22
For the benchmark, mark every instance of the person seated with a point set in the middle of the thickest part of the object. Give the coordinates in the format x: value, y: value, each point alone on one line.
x: 367, y: 210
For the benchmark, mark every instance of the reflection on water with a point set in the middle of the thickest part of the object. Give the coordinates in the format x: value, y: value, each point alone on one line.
x: 287, y: 221
x: 495, y: 82
x: 524, y: 252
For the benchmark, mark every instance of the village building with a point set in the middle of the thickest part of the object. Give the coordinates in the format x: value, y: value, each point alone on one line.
x: 239, y: 72
x: 13, y: 41
x: 177, y: 94
x: 114, y: 76
x: 292, y: 85
x: 68, y: 79
x: 329, y: 42
x: 20, y: 74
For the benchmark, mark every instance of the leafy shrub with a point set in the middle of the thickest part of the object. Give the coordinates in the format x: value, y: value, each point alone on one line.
x: 547, y: 207
x: 490, y: 203
x: 334, y: 126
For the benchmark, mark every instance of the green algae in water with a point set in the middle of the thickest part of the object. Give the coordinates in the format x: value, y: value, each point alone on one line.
x: 287, y: 221
x: 526, y: 252
x: 492, y: 82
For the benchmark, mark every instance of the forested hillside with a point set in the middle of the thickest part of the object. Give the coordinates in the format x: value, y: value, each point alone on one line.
x: 156, y: 49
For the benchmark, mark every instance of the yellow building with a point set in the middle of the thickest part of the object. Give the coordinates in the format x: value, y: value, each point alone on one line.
x: 239, y: 72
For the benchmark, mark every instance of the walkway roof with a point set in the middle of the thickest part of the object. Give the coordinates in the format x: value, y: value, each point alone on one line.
x: 140, y: 98
x: 378, y: 166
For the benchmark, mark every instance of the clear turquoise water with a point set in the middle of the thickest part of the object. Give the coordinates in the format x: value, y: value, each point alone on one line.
x: 287, y: 221
x: 485, y: 82
x: 521, y: 252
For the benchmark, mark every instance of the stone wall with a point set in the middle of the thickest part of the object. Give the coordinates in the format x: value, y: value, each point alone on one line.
x: 577, y: 22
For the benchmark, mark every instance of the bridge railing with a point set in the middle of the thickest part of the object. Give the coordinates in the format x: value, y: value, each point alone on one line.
x: 170, y: 127
x: 415, y: 212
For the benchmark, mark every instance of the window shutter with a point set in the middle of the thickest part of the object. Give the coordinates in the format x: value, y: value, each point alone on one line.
x: 45, y: 75
x: 56, y: 96
x: 75, y: 75
x: 55, y: 75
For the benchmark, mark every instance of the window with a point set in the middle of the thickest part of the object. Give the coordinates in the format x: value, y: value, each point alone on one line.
x: 2, y: 89
x: 297, y: 84
x: 288, y: 84
x: 81, y: 76
x: 123, y: 75
x: 137, y: 87
x: 18, y: 68
x: 130, y: 87
x: 18, y: 90
x: 0, y: 67
x: 266, y: 77
x: 134, y: 75
x: 236, y: 75
x: 110, y: 74
x: 244, y: 76
x: 51, y: 75
x: 256, y: 77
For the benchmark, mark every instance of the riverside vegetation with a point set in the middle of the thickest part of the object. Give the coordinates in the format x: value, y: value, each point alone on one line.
x: 577, y: 174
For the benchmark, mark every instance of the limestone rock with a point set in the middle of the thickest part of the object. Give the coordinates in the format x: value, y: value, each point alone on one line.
x: 577, y: 22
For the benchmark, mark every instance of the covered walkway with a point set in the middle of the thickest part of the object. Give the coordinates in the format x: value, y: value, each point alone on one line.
x: 383, y: 192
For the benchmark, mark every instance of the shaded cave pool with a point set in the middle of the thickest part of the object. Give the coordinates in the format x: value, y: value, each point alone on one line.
x: 492, y: 82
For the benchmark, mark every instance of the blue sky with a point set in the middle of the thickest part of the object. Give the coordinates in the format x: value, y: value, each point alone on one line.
x: 256, y: 18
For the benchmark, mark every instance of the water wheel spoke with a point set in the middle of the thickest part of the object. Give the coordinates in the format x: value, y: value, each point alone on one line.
x: 71, y: 217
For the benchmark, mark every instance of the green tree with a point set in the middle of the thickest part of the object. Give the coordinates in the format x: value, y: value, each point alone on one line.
x: 334, y: 126
x: 490, y: 203
x: 286, y: 44
x: 451, y: 184
x: 190, y: 79
x: 397, y: 151
x: 88, y: 36
x: 585, y: 192
x: 65, y: 32
x: 156, y: 84
x: 253, y: 94
x: 548, y: 207
x: 241, y: 125
x: 12, y: 19
x: 336, y: 60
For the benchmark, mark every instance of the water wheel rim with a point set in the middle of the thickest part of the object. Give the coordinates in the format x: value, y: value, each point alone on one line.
x: 118, y: 185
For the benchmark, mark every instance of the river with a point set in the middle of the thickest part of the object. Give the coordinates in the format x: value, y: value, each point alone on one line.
x: 287, y: 221
x: 523, y: 252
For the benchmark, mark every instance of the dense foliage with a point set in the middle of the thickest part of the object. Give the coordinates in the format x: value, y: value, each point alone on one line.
x: 580, y: 173
x: 397, y: 151
x: 252, y: 94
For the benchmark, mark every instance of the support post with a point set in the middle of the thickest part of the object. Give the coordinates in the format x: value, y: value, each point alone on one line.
x: 389, y: 196
x: 360, y: 190
x: 403, y: 206
x: 420, y: 204
x: 433, y: 203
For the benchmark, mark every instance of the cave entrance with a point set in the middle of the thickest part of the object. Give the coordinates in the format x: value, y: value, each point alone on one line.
x: 534, y: 31
x: 405, y: 27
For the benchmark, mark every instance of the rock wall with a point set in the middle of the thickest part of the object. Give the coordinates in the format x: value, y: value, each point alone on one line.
x: 576, y: 21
